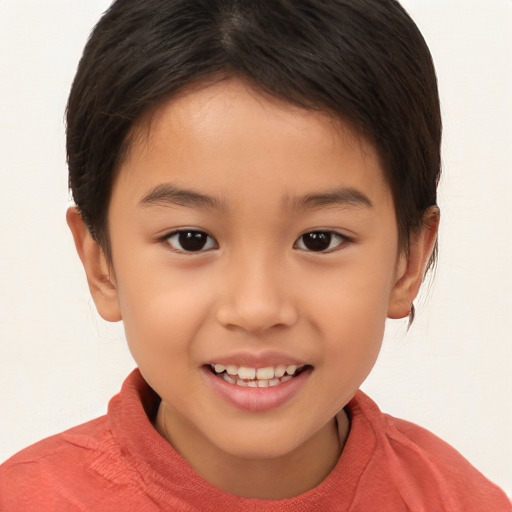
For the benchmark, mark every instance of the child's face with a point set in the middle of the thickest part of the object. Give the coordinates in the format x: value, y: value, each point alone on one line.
x: 248, y: 178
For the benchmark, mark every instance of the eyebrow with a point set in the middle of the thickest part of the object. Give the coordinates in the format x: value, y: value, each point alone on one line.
x: 168, y: 194
x: 337, y: 197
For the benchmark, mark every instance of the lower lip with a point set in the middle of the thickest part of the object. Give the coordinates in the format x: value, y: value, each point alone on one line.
x: 257, y: 399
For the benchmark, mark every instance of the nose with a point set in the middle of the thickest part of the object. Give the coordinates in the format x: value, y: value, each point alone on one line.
x: 257, y: 296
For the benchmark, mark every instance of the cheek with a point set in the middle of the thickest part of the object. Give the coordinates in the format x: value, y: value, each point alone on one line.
x: 162, y: 310
x: 353, y: 296
x: 351, y: 310
x: 352, y: 334
x: 353, y: 329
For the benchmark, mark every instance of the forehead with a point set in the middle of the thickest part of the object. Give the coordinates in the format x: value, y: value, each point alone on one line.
x: 229, y: 133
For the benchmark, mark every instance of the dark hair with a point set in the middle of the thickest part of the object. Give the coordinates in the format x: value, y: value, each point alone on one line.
x: 363, y: 61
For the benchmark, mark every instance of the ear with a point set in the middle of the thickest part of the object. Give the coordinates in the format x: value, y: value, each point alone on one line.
x: 99, y: 273
x: 411, y: 267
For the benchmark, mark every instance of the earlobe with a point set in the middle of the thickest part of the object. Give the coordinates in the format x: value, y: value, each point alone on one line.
x: 99, y: 275
x: 411, y: 267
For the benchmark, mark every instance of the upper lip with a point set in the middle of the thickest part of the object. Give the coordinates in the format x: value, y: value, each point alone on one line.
x: 256, y: 359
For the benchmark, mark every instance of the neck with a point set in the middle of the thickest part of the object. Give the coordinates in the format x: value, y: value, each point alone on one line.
x: 265, y: 478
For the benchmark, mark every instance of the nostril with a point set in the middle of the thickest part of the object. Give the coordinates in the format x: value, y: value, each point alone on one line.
x: 257, y: 317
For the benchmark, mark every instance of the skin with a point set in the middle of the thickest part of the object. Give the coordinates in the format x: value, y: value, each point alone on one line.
x: 256, y: 287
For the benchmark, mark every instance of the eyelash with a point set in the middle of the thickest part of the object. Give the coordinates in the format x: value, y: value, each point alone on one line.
x: 318, y: 237
x: 323, y: 236
x: 194, y: 236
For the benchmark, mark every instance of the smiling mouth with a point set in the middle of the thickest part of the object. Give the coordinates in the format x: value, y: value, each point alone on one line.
x: 269, y: 376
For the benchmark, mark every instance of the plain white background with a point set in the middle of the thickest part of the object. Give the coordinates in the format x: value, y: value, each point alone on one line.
x: 60, y: 363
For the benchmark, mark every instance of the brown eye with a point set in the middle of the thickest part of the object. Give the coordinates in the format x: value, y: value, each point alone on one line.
x: 320, y: 241
x: 190, y: 241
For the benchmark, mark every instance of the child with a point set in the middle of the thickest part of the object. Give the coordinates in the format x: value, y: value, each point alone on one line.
x: 256, y: 192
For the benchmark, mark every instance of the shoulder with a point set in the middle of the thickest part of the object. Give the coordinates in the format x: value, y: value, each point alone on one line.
x: 423, y: 468
x: 68, y: 443
x: 79, y: 459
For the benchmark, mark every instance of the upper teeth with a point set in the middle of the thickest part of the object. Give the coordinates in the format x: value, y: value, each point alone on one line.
x: 266, y: 373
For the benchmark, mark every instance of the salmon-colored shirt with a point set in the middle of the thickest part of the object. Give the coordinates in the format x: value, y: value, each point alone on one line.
x: 119, y: 462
